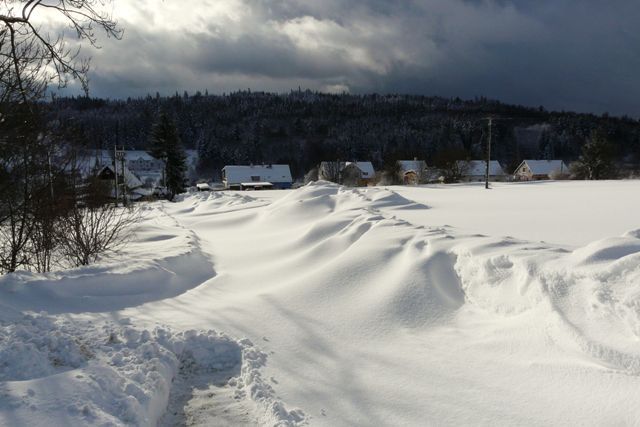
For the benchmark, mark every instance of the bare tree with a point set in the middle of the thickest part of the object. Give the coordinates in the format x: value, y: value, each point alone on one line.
x: 37, y: 56
x: 330, y: 171
x: 93, y: 226
x: 19, y: 177
x: 311, y: 176
x: 33, y: 57
x: 453, y: 164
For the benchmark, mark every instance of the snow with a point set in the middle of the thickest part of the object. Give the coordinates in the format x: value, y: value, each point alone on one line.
x: 333, y: 306
x: 545, y: 167
x: 478, y: 168
x: 568, y: 213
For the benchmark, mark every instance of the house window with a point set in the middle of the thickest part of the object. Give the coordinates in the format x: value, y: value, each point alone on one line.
x: 255, y: 179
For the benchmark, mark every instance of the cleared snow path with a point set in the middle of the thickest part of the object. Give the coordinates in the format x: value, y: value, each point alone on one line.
x: 206, y: 398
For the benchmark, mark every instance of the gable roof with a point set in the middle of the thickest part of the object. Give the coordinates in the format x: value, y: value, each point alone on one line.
x: 236, y: 174
x: 412, y: 165
x: 479, y: 168
x: 131, y: 179
x: 365, y: 167
x: 545, y: 167
x: 106, y: 156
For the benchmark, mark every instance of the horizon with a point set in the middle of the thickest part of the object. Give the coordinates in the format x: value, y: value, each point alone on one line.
x: 62, y: 94
x: 572, y: 56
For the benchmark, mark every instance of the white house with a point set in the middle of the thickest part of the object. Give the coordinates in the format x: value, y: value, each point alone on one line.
x: 256, y: 176
x: 413, y: 171
x: 146, y: 167
x: 475, y: 170
x: 141, y: 161
x: 531, y: 170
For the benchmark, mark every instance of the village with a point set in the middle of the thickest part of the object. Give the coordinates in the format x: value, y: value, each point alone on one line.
x: 140, y: 175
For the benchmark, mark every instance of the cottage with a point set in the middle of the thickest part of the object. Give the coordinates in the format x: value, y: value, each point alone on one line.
x: 348, y: 173
x: 133, y: 185
x: 532, y: 170
x: 476, y: 170
x: 412, y: 172
x: 256, y: 177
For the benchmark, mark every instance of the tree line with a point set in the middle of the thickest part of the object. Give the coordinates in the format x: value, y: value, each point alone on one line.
x: 303, y: 128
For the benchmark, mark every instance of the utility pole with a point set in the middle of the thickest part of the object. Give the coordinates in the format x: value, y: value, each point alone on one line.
x: 124, y: 179
x: 115, y: 169
x: 119, y: 157
x: 486, y: 177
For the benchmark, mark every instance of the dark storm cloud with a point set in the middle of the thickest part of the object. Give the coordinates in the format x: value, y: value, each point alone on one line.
x: 564, y: 54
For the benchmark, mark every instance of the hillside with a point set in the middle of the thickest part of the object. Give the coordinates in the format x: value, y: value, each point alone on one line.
x: 304, y: 128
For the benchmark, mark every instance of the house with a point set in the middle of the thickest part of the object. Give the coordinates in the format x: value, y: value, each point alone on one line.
x: 532, y: 170
x: 142, y: 164
x: 236, y: 177
x: 476, y: 170
x: 412, y: 172
x: 133, y: 184
x: 139, y: 161
x: 348, y: 173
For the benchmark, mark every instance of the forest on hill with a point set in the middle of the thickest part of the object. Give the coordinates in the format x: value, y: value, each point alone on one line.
x: 302, y: 128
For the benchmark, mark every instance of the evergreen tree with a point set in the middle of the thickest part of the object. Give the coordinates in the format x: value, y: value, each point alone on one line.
x: 165, y: 145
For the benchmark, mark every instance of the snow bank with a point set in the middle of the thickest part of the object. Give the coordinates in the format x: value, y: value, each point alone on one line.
x: 162, y: 260
x: 66, y: 373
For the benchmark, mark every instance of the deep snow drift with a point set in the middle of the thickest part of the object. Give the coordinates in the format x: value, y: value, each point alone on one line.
x: 335, y: 307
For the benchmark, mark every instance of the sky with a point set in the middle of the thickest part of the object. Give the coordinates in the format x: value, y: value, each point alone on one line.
x: 581, y: 55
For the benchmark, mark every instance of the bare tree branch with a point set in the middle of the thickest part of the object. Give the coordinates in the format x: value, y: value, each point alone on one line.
x: 40, y: 57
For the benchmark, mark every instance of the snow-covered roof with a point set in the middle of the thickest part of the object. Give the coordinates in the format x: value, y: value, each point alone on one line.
x: 412, y: 165
x: 479, y: 168
x: 365, y: 167
x: 129, y: 155
x: 137, y: 154
x: 131, y: 179
x: 545, y: 167
x: 269, y: 173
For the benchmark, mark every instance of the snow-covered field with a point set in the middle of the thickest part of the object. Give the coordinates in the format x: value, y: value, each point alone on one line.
x: 339, y: 307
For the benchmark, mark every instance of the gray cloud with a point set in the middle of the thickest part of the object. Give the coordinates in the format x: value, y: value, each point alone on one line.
x: 564, y: 54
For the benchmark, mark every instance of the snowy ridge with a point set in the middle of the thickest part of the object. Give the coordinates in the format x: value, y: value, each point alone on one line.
x: 591, y: 295
x: 349, y: 274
